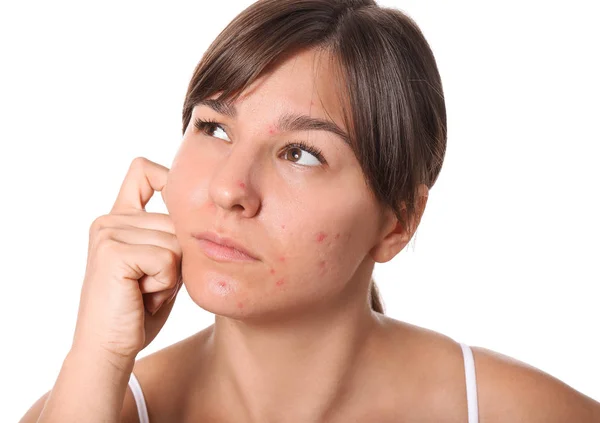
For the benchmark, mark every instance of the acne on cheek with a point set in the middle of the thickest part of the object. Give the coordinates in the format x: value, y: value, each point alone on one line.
x: 322, y: 267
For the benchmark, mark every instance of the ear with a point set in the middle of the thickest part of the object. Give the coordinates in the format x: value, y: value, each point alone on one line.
x: 394, y: 236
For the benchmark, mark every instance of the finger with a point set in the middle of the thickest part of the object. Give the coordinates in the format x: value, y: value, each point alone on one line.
x: 140, y: 236
x: 161, y: 264
x: 153, y: 301
x: 148, y: 220
x: 143, y: 178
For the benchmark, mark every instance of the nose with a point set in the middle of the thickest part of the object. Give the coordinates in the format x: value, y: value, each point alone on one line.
x: 231, y: 188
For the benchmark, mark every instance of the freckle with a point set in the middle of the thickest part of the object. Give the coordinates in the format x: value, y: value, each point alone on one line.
x: 240, y: 305
x: 337, y: 236
x: 282, y: 258
x: 279, y: 282
x: 242, y: 185
x: 321, y: 236
x: 272, y: 271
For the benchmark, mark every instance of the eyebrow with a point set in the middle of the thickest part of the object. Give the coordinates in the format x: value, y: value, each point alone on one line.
x: 288, y: 122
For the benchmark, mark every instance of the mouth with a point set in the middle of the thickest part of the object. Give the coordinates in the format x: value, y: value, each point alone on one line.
x: 223, y: 249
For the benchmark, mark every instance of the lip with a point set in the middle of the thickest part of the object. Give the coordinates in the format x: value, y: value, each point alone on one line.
x: 223, y: 248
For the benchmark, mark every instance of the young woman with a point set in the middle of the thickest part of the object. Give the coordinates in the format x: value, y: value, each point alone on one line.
x: 312, y: 133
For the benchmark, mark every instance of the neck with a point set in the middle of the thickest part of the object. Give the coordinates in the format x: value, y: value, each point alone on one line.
x: 294, y: 369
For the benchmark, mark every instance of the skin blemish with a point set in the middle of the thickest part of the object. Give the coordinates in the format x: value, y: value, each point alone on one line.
x: 282, y: 259
x: 222, y: 284
x: 242, y: 185
x: 282, y: 226
x: 271, y: 130
x: 240, y: 305
x: 272, y: 271
x: 321, y: 236
x: 279, y: 282
x: 322, y: 266
x: 337, y: 236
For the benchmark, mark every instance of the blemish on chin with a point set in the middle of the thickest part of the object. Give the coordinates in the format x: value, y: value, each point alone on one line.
x: 279, y: 282
x: 321, y: 236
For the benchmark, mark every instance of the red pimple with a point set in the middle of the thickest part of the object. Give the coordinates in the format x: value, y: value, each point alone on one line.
x: 272, y: 271
x: 240, y: 305
x: 321, y: 236
x: 222, y: 284
x: 279, y: 282
x: 242, y: 185
x: 271, y: 130
x: 282, y: 258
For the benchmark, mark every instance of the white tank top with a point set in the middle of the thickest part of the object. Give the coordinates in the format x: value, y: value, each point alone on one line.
x: 470, y: 377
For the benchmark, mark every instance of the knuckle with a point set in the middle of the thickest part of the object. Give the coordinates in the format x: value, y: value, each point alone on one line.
x: 105, y: 233
x: 139, y: 162
x: 97, y: 224
x: 170, y: 258
x: 107, y: 246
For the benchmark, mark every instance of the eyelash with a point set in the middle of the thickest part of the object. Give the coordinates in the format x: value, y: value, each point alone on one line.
x: 203, y: 125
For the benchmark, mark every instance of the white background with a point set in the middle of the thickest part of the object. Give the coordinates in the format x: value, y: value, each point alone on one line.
x: 507, y: 253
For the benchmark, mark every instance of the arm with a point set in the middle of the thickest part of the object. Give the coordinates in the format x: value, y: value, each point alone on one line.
x: 90, y: 387
x: 512, y: 391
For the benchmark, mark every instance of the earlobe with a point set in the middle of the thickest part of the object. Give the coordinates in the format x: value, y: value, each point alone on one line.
x: 391, y: 244
x: 397, y: 236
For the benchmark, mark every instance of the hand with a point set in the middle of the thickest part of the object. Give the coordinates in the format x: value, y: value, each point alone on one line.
x: 133, y: 267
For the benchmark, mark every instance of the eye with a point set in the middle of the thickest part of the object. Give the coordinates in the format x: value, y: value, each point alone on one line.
x: 208, y: 126
x: 298, y: 149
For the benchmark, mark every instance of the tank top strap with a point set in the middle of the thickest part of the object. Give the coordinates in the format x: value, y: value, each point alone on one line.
x: 471, y: 380
x: 138, y: 395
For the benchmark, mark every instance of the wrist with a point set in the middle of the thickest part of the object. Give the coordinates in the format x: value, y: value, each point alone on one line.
x: 100, y: 357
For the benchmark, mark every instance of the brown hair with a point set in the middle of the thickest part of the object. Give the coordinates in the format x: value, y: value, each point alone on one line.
x: 388, y: 76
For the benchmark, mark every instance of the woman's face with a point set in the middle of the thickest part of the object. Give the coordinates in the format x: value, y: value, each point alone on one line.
x: 311, y: 224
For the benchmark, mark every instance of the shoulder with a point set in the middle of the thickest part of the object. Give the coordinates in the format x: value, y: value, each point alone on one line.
x: 510, y: 390
x: 164, y: 377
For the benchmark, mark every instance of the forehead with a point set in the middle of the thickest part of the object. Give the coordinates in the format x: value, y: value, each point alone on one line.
x: 303, y: 83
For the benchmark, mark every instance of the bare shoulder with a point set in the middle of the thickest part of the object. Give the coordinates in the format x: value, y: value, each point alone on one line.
x: 163, y: 377
x: 510, y: 390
